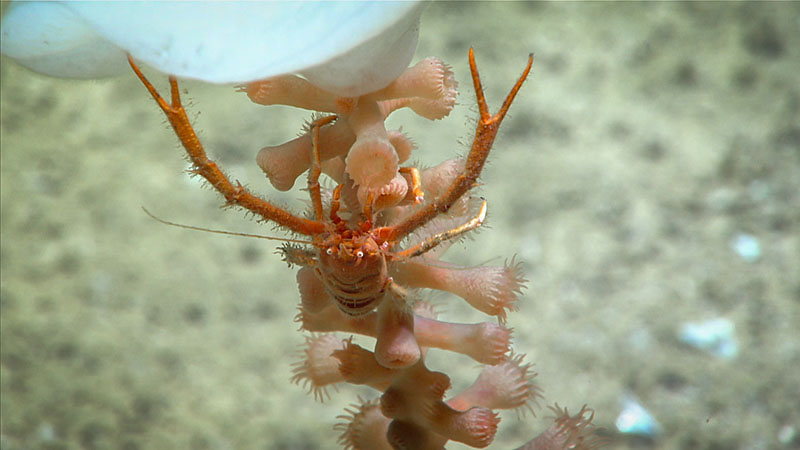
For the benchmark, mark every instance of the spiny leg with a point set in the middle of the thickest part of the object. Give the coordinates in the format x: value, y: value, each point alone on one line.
x: 337, y: 194
x: 436, y: 239
x: 485, y: 133
x: 316, y: 166
x: 234, y: 194
x: 367, y: 212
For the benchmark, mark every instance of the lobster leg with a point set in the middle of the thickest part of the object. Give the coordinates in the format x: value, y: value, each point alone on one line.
x: 486, y: 132
x: 316, y: 166
x: 235, y: 194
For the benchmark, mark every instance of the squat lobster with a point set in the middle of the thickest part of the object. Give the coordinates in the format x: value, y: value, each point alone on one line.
x: 356, y: 261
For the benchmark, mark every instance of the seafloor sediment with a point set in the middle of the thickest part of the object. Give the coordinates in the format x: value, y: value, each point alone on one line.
x: 647, y: 141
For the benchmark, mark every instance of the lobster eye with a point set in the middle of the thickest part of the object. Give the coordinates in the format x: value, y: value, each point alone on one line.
x: 329, y: 251
x: 360, y: 254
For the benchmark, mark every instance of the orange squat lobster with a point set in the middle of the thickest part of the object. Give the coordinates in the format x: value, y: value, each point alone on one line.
x: 355, y: 260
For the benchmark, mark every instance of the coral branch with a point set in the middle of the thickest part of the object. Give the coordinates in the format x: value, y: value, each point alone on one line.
x: 568, y: 432
x: 503, y: 386
x: 284, y: 163
x: 486, y: 343
x: 372, y: 160
x: 363, y: 426
x: 430, y: 78
x: 416, y: 396
x: 359, y: 366
x: 294, y: 91
x: 396, y: 346
x: 492, y: 290
x: 318, y: 368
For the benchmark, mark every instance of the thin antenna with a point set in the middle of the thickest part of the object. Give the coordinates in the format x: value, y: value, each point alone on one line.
x: 230, y: 233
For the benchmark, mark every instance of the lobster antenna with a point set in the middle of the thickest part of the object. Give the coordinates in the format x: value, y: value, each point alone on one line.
x: 230, y: 233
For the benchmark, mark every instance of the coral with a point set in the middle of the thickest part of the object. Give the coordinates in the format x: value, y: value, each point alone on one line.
x: 568, y: 432
x: 371, y: 154
x: 376, y: 239
x: 411, y: 411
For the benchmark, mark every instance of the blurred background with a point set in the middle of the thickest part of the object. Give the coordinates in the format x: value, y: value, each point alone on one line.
x: 648, y: 176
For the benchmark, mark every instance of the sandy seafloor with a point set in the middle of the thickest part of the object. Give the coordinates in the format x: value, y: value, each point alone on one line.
x: 647, y: 140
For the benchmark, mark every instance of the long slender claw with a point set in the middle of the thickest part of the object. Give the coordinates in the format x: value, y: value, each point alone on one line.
x: 511, y: 95
x: 486, y: 116
x: 234, y: 194
x: 485, y: 134
x: 150, y: 88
